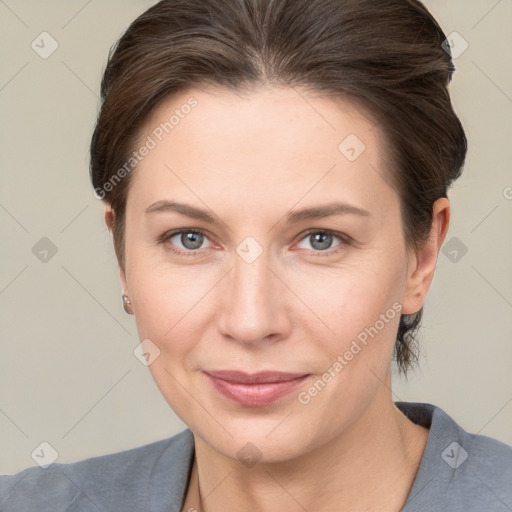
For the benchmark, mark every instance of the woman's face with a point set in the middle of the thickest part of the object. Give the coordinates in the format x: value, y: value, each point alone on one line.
x: 269, y: 284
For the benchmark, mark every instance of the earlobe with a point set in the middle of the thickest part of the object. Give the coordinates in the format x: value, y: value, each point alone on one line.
x: 109, y: 218
x: 423, y: 262
x: 127, y: 304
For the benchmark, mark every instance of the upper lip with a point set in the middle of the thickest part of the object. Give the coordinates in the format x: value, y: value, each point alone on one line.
x: 253, y: 378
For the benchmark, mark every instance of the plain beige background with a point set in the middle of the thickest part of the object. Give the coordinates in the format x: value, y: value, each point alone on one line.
x: 68, y: 375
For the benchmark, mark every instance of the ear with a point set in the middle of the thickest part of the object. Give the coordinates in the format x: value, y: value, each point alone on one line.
x: 422, y: 263
x: 109, y: 221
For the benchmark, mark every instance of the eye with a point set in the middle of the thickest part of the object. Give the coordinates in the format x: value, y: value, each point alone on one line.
x: 189, y: 241
x: 321, y: 241
x: 186, y: 240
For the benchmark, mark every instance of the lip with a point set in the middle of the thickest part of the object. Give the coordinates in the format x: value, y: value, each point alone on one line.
x: 256, y: 389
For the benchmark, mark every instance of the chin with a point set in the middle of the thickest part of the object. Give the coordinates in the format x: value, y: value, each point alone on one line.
x: 263, y: 440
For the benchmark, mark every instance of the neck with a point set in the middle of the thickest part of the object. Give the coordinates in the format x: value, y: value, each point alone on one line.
x: 369, y: 466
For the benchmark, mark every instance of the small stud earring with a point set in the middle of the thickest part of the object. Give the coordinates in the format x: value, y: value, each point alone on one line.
x: 127, y: 304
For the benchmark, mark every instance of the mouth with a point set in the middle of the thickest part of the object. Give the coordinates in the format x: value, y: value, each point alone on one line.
x: 256, y: 389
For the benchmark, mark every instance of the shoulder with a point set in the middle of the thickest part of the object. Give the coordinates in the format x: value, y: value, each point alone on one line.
x: 489, y: 465
x: 106, y: 482
x: 459, y: 470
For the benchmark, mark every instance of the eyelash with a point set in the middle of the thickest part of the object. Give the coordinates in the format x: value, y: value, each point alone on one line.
x: 344, y: 240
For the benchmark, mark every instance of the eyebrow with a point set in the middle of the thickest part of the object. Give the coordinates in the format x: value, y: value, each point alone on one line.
x: 315, y: 212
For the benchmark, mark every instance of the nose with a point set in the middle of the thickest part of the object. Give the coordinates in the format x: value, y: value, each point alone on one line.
x: 254, y: 304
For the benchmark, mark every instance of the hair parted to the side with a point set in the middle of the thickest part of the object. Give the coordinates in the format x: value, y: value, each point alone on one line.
x: 387, y: 55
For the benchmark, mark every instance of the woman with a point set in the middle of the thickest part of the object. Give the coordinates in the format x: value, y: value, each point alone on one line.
x: 275, y: 177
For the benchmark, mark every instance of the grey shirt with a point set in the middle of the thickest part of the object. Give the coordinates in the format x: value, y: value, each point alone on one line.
x: 458, y: 472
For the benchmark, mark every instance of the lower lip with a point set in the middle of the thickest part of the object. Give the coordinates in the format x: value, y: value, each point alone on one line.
x: 255, y: 395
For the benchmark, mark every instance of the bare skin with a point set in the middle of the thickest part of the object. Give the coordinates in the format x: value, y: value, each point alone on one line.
x: 325, y: 484
x: 247, y: 160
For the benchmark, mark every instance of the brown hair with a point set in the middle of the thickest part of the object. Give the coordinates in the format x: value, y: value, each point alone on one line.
x: 387, y: 55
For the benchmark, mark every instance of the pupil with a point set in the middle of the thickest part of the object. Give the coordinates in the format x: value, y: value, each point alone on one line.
x: 193, y: 238
x: 324, y: 240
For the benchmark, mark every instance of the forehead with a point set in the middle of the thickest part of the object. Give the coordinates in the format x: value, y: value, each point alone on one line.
x: 253, y: 143
x: 255, y: 115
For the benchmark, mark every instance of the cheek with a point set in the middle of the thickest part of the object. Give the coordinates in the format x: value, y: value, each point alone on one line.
x: 167, y: 305
x: 169, y: 308
x: 166, y: 299
x: 174, y: 304
x: 353, y: 298
x: 362, y: 306
x: 363, y: 310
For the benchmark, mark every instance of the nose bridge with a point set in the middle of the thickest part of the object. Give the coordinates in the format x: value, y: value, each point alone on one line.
x: 250, y: 273
x: 251, y: 303
x: 251, y: 280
